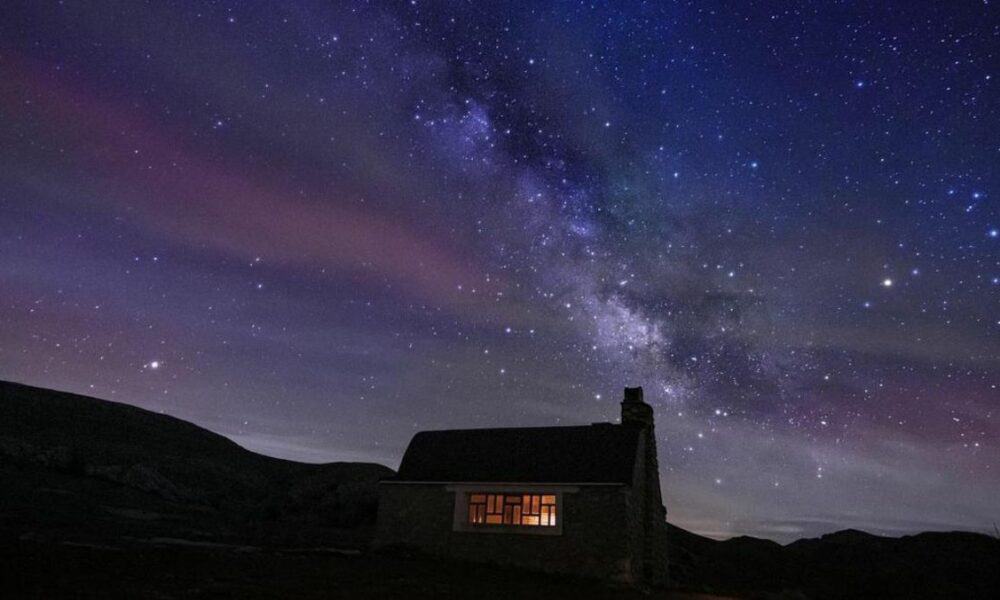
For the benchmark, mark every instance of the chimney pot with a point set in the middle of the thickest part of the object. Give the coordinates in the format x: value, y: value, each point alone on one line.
x: 633, y: 394
x: 634, y: 410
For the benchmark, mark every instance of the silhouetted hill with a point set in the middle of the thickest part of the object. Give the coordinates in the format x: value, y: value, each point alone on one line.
x: 81, y: 448
x: 845, y: 564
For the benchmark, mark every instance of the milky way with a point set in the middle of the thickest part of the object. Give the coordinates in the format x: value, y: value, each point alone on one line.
x: 318, y: 228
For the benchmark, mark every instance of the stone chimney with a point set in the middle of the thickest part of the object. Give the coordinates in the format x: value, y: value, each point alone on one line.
x: 634, y: 410
x: 636, y: 413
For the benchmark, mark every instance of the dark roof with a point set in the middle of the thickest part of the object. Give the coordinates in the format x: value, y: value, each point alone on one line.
x: 601, y: 453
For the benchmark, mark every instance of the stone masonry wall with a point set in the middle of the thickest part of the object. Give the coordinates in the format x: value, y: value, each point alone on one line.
x: 595, y: 541
x: 653, y: 536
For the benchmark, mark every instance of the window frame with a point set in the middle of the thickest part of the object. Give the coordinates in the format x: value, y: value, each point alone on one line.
x: 489, y: 509
x: 464, y: 507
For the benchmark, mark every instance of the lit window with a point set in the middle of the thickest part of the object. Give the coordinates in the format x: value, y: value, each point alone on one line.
x: 477, y: 508
x: 512, y: 509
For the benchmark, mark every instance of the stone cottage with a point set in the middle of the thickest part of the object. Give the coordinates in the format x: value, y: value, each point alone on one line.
x: 580, y: 500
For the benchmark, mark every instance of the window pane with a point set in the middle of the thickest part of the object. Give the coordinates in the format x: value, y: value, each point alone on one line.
x: 532, y: 510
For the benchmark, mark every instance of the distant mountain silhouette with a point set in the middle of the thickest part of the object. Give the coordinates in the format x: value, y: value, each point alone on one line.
x: 83, y: 479
x: 845, y: 564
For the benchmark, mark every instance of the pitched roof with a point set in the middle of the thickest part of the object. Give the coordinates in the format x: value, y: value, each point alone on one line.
x: 600, y: 453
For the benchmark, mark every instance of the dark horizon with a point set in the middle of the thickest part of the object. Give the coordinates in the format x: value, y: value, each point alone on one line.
x: 318, y: 229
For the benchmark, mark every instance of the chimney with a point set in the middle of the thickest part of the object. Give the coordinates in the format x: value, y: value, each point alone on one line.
x: 639, y: 415
x: 634, y: 410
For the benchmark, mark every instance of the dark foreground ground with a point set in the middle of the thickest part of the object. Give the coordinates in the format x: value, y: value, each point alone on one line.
x: 103, y: 500
x: 63, y: 536
x: 151, y: 570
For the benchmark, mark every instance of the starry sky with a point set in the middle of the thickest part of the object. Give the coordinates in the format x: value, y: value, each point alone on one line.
x: 319, y: 227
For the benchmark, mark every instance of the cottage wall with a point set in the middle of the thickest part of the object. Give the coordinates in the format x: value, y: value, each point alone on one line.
x: 597, y: 539
x: 637, y: 509
x: 648, y: 516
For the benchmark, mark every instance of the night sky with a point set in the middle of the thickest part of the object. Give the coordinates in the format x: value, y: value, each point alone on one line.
x: 319, y: 227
